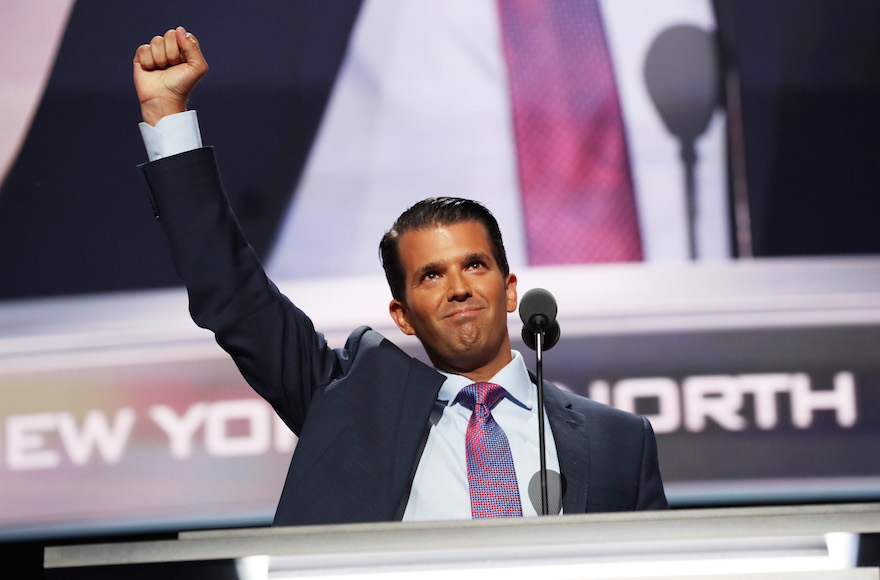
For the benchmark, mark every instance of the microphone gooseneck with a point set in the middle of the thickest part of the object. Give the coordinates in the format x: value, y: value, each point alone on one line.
x: 540, y: 332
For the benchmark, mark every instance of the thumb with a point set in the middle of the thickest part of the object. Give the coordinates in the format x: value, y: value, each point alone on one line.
x: 189, y: 48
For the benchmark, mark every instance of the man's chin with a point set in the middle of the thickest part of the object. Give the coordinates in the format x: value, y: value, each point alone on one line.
x: 472, y: 357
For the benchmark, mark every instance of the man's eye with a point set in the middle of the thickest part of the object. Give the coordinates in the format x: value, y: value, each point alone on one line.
x: 430, y: 276
x: 475, y: 265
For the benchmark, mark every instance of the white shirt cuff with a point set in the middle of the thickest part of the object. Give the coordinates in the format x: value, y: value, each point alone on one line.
x: 173, y: 134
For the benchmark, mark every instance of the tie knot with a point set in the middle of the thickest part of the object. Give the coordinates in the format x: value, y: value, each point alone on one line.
x: 477, y: 394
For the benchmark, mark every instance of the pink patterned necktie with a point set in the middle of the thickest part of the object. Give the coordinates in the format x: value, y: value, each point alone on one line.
x: 577, y: 192
x: 491, y: 476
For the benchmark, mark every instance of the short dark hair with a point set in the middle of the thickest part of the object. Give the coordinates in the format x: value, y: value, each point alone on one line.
x: 436, y: 211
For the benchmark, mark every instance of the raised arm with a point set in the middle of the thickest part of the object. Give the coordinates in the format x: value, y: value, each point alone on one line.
x: 273, y: 343
x: 165, y: 73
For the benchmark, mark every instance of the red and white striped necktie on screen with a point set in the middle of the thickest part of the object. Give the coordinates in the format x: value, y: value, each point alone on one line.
x: 577, y: 191
x: 491, y: 476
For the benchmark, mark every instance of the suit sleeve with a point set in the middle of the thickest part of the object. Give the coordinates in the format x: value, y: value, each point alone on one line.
x: 273, y: 343
x: 651, y: 494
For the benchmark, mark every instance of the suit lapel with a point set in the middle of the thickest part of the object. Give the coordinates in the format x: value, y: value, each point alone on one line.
x: 419, y: 394
x: 571, y: 434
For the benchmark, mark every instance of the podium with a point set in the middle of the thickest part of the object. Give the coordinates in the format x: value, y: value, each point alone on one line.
x: 778, y: 543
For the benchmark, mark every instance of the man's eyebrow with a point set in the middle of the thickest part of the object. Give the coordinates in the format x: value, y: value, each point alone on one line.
x: 478, y: 257
x: 429, y: 267
x: 437, y: 265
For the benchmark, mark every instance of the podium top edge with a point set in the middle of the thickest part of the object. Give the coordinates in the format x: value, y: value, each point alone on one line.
x: 843, y: 511
x: 590, y: 531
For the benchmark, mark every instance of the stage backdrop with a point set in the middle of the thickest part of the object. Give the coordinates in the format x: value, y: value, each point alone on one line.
x: 760, y: 379
x: 760, y: 375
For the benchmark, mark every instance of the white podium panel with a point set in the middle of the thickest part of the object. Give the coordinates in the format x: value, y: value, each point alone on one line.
x: 777, y: 543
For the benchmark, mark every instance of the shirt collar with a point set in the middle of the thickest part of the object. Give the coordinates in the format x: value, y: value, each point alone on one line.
x: 514, y: 377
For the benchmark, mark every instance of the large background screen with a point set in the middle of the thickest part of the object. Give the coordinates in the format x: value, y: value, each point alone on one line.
x: 748, y: 335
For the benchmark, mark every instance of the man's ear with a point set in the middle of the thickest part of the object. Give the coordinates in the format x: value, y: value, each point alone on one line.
x: 511, y: 292
x: 400, y: 316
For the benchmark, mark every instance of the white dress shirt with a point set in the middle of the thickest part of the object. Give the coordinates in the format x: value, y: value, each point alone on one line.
x: 440, y: 488
x: 173, y: 134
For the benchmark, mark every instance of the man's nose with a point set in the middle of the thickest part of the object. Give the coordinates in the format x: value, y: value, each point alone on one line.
x: 458, y: 288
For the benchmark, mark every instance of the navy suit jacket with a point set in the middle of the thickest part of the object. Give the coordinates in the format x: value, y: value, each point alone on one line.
x: 361, y: 412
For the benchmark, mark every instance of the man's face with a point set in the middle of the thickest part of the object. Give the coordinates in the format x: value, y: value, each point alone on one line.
x: 457, y: 298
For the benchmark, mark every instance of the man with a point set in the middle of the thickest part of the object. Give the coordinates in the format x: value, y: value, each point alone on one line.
x: 383, y: 436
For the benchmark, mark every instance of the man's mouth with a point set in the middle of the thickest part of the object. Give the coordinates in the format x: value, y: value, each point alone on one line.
x: 463, y: 312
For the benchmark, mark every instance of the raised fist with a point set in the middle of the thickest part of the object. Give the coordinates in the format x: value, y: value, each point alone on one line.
x: 165, y: 73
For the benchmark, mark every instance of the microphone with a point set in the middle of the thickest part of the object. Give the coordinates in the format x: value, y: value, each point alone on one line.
x: 551, y: 336
x: 555, y: 491
x: 538, y: 310
x: 683, y: 78
x: 540, y: 332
